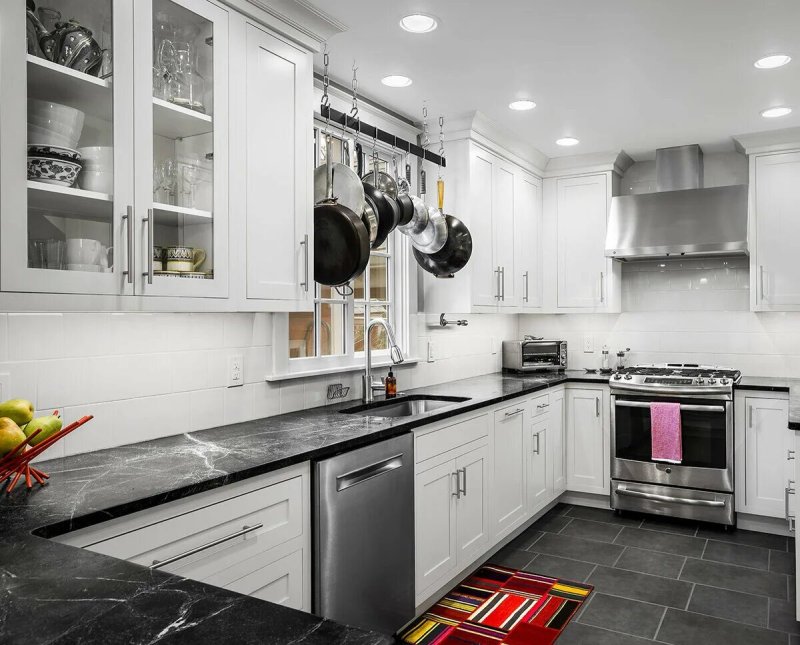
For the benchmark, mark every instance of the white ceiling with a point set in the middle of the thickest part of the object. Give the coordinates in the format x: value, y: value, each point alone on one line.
x: 620, y: 74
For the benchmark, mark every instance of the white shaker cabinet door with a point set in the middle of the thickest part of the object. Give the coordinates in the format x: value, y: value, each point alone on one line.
x: 556, y: 443
x: 528, y: 228
x: 775, y: 274
x: 582, y: 266
x: 587, y: 469
x: 505, y: 232
x: 509, y: 464
x: 473, y: 505
x: 485, y: 271
x: 539, y: 469
x: 279, y: 145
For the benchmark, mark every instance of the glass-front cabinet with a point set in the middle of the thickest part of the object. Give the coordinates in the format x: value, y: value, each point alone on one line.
x: 91, y: 203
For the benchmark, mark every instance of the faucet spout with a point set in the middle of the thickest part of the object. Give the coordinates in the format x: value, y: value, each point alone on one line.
x: 395, y: 353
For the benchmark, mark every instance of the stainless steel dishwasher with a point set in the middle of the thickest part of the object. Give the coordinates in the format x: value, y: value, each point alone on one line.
x: 364, y: 536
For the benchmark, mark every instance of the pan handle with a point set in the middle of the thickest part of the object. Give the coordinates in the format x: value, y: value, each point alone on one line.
x: 359, y: 159
x: 440, y: 190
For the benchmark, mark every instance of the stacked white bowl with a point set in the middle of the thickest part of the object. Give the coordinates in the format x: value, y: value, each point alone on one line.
x: 98, y: 168
x: 54, y: 124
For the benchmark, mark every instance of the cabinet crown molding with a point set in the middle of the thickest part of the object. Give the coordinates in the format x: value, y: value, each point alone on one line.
x: 615, y: 161
x: 771, y: 141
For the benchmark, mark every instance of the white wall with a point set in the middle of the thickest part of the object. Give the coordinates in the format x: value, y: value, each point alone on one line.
x: 145, y: 376
x: 685, y: 311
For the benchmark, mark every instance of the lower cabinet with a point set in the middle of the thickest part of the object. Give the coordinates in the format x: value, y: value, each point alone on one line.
x: 451, y: 501
x: 556, y: 443
x: 252, y: 537
x: 509, y: 465
x: 588, y: 435
x: 764, y: 455
x: 540, y: 471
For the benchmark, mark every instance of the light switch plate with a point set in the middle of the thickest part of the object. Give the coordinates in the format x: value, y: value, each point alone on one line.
x: 235, y: 370
x: 588, y: 344
x: 431, y: 352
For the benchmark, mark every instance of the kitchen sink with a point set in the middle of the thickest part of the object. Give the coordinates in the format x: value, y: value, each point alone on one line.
x: 406, y: 406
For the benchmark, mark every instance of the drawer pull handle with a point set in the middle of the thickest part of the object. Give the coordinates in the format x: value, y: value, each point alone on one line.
x: 355, y: 477
x: 515, y: 412
x: 670, y: 499
x: 542, y: 406
x: 157, y: 564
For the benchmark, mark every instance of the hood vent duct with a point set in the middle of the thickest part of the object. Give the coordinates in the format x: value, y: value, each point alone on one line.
x: 682, y: 217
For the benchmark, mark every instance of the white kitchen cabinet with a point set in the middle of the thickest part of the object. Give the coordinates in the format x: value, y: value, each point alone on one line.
x: 539, y: 466
x: 504, y: 216
x: 509, y: 465
x: 774, y: 228
x: 528, y: 239
x: 557, y: 442
x: 588, y: 435
x: 583, y: 270
x: 252, y: 537
x: 279, y: 191
x: 764, y: 455
x: 451, y: 500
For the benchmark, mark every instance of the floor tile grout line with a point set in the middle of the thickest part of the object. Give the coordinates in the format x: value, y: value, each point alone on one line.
x: 736, y: 622
x: 705, y: 546
x: 734, y: 564
x: 660, y: 622
x: 586, y: 578
x: 685, y: 559
x: 619, y: 557
x: 689, y: 599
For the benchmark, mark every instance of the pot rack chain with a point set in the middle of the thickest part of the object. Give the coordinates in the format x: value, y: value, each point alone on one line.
x: 441, y: 143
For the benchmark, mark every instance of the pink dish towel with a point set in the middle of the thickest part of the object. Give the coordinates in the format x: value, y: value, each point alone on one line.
x: 665, y: 431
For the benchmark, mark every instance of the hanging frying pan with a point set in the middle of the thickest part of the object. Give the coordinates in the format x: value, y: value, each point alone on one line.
x: 404, y: 202
x: 387, y: 213
x: 434, y: 235
x: 370, y: 219
x: 455, y: 253
x: 341, y: 240
x: 346, y: 184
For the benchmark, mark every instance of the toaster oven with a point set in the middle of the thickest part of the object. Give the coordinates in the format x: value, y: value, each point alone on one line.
x: 534, y: 354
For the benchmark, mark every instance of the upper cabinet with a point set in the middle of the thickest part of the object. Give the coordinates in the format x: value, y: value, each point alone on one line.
x: 279, y: 200
x: 774, y: 226
x: 500, y: 202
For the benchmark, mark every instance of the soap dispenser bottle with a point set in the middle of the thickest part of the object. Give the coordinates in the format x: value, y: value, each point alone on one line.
x: 391, y: 385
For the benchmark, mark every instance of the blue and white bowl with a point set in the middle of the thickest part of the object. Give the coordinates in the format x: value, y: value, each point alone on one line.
x: 53, y: 171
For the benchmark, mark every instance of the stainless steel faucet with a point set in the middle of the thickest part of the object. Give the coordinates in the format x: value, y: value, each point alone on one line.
x: 368, y: 386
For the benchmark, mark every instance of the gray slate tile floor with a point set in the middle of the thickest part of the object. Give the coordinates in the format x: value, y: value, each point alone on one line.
x: 659, y: 580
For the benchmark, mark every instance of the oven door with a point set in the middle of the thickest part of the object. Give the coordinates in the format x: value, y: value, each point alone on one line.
x: 707, y: 437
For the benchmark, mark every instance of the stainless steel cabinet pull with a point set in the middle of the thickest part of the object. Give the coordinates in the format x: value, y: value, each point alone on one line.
x: 542, y: 406
x: 457, y: 494
x: 602, y: 288
x: 684, y: 407
x: 497, y: 285
x: 462, y: 490
x: 503, y: 283
x: 789, y: 455
x: 761, y: 280
x: 149, y: 222
x: 368, y: 472
x: 668, y: 498
x: 128, y: 218
x: 597, y: 406
x: 157, y: 564
x: 789, y: 490
x: 304, y: 244
x: 538, y: 437
x: 526, y: 278
x: 515, y: 412
x: 750, y: 411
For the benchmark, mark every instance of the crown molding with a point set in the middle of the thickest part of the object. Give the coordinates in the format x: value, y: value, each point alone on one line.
x: 617, y: 162
x: 770, y: 141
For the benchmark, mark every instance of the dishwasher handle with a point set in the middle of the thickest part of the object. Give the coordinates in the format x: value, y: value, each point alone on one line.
x: 355, y: 477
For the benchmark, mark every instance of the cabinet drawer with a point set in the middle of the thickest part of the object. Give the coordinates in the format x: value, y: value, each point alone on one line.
x: 277, y: 510
x: 453, y: 436
x: 540, y: 405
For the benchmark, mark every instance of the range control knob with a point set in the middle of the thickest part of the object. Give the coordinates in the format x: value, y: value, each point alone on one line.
x: 724, y: 381
x: 628, y: 377
x: 712, y: 381
x: 617, y: 377
x: 701, y: 381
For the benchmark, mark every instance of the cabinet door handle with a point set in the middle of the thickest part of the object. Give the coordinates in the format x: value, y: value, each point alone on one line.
x: 761, y: 281
x: 149, y: 222
x: 128, y: 219
x: 503, y: 283
x: 789, y: 455
x: 542, y: 406
x: 526, y: 278
x: 304, y: 244
x: 462, y: 490
x: 536, y: 449
x: 457, y: 494
x: 789, y: 490
x: 597, y: 406
x: 515, y: 412
x: 602, y: 288
x: 157, y: 564
x: 750, y: 414
x: 497, y: 285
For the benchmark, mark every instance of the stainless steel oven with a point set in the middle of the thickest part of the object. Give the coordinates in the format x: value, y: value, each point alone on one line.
x: 702, y: 485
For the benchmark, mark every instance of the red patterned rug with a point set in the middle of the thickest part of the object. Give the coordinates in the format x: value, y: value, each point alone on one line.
x: 499, y: 605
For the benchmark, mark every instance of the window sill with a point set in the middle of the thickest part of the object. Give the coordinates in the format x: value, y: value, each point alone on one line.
x: 382, y: 362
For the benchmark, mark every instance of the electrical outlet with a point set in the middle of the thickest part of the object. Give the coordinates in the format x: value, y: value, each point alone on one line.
x: 431, y: 352
x: 493, y: 345
x: 235, y: 370
x: 588, y: 344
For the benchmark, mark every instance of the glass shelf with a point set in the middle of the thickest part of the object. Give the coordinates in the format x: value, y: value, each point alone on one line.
x: 176, y: 122
x: 179, y: 215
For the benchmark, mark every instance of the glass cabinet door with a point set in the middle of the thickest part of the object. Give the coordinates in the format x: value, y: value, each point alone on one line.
x: 66, y: 163
x: 181, y: 165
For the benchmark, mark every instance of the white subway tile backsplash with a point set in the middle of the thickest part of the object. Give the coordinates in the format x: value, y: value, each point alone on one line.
x: 239, y: 403
x: 35, y: 336
x: 292, y: 396
x: 3, y: 337
x: 206, y: 409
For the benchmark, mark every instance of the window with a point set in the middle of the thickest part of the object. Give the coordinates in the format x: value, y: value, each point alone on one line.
x: 336, y: 326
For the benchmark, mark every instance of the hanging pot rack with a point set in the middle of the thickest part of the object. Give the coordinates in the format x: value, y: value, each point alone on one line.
x: 355, y: 125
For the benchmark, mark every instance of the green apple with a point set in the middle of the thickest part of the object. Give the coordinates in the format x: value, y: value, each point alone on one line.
x: 10, y: 435
x: 49, y: 425
x: 20, y: 411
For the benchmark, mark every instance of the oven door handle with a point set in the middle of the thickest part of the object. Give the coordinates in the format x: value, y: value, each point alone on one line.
x: 687, y: 407
x: 668, y: 498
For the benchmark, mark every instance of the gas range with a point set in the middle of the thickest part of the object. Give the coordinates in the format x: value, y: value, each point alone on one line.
x: 677, y: 379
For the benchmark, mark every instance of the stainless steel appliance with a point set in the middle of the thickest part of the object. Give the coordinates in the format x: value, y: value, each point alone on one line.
x: 701, y: 487
x: 364, y: 536
x: 682, y: 217
x: 534, y: 354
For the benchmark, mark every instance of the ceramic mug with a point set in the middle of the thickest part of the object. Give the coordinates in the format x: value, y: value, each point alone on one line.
x: 184, y: 258
x: 85, y: 251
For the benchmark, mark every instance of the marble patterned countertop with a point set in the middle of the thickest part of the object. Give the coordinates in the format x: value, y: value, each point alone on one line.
x: 57, y: 593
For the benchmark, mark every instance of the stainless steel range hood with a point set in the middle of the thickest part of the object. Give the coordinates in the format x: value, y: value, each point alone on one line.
x: 682, y: 218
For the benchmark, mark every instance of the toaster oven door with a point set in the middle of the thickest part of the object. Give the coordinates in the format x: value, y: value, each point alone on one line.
x: 541, y: 354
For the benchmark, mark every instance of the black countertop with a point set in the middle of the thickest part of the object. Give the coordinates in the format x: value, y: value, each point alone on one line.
x: 777, y: 384
x: 57, y: 593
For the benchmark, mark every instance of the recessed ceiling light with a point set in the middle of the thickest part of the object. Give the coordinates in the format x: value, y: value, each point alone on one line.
x: 771, y: 62
x: 419, y: 23
x: 396, y: 81
x: 567, y: 141
x: 774, y: 113
x: 523, y: 104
